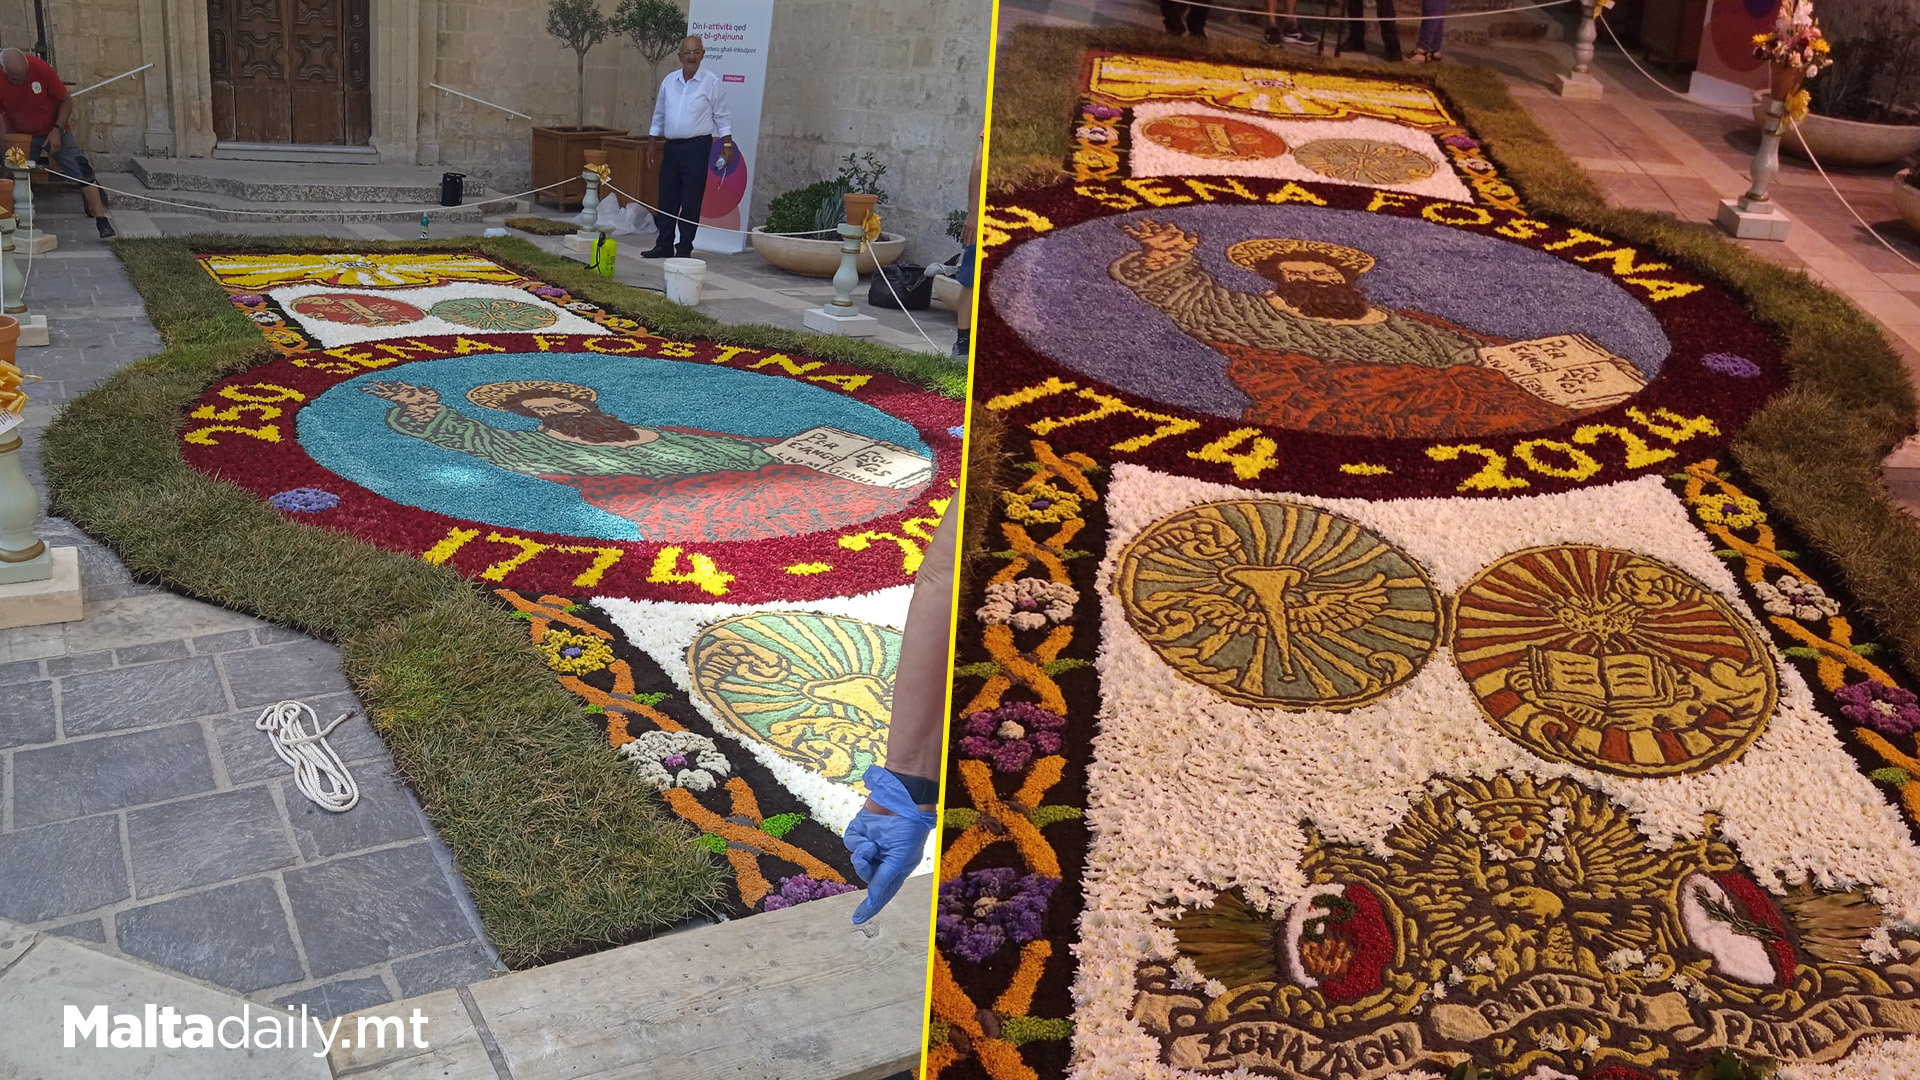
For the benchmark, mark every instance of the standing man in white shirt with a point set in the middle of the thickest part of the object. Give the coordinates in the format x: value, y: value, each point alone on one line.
x: 691, y: 111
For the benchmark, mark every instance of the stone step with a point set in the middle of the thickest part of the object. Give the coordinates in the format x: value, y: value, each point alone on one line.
x: 261, y: 181
x: 224, y: 207
x: 314, y: 155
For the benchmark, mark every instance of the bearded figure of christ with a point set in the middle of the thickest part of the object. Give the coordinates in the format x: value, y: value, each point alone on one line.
x: 1313, y: 353
x: 673, y: 483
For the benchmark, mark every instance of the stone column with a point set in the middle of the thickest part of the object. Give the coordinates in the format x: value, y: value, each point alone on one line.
x: 158, y: 136
x: 189, y: 77
x: 396, y: 91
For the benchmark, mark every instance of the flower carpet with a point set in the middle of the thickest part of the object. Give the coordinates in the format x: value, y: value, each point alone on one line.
x: 712, y: 546
x: 1382, y: 665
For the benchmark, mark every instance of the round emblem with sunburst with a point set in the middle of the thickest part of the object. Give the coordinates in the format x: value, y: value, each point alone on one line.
x: 1217, y: 138
x: 1613, y: 661
x: 1279, y: 605
x: 817, y: 689
x: 1365, y: 161
x: 485, y: 313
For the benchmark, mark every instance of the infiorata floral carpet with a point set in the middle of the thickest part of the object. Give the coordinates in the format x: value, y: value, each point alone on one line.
x: 711, y: 545
x: 1381, y: 667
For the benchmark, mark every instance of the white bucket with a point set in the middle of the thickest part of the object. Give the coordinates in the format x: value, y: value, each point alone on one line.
x: 683, y: 280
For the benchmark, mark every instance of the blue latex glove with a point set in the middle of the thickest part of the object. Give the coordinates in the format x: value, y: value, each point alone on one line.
x: 885, y: 848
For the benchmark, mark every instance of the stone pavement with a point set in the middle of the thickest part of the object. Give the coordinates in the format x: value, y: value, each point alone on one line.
x: 140, y: 810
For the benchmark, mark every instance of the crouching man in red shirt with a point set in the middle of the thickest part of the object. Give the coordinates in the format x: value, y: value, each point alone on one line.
x: 33, y: 101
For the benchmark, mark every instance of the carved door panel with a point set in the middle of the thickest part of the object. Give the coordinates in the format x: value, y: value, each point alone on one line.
x: 291, y: 71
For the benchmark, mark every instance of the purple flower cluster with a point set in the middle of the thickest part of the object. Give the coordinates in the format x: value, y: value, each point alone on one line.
x: 1725, y: 363
x: 1012, y: 735
x: 1462, y: 142
x: 548, y: 291
x: 982, y: 910
x: 248, y: 300
x: 1101, y: 112
x: 1888, y: 710
x: 304, y: 501
x: 800, y: 889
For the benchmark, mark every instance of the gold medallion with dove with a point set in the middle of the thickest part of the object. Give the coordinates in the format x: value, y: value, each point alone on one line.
x: 1279, y: 605
x: 817, y: 689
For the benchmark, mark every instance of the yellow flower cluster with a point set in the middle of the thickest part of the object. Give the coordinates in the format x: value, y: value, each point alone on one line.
x: 575, y: 654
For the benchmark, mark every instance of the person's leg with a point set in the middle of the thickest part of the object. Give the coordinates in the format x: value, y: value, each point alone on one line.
x: 963, y: 339
x: 693, y: 192
x: 1389, y: 31
x: 1197, y: 20
x: 669, y: 199
x: 1356, y: 29
x: 1174, y: 14
x: 75, y: 164
x: 1433, y: 26
x: 1273, y: 22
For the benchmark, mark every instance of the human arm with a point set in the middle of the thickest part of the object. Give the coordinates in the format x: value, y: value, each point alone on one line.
x: 722, y: 124
x: 63, y: 113
x: 888, y: 836
x: 420, y: 403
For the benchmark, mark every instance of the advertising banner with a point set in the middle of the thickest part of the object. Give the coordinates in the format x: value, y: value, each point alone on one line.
x: 1728, y: 72
x: 735, y: 33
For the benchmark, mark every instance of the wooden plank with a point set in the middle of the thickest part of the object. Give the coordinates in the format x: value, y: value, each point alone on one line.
x: 798, y: 994
x: 453, y: 1052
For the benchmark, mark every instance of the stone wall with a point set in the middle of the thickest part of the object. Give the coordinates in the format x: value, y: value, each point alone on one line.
x: 905, y: 79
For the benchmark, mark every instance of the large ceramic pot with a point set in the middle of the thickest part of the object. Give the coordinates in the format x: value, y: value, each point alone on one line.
x: 1906, y: 200
x: 821, y: 258
x: 1847, y: 144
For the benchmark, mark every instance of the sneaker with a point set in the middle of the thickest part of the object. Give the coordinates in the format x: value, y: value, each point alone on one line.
x: 105, y: 227
x: 1274, y: 36
x: 962, y: 343
x: 1297, y: 36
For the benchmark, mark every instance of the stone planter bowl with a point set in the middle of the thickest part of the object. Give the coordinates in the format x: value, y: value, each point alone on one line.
x: 821, y: 258
x: 1906, y: 200
x: 1848, y: 144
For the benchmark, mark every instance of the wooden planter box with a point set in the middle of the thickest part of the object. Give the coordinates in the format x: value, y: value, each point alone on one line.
x: 627, y: 157
x: 558, y: 154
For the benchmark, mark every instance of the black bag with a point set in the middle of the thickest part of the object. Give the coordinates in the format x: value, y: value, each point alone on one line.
x: 910, y: 281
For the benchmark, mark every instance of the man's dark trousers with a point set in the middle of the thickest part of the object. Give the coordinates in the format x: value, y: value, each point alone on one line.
x: 1389, y: 28
x: 683, y: 185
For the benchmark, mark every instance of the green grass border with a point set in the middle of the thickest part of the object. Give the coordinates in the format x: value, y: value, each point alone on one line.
x: 1814, y: 451
x: 563, y: 849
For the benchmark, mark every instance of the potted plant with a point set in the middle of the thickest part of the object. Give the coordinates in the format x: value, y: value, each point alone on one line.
x: 1865, y: 110
x: 656, y: 28
x: 1906, y: 196
x: 813, y: 212
x: 559, y: 152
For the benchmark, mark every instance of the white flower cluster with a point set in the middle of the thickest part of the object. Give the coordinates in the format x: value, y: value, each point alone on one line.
x: 1028, y: 603
x: 670, y: 759
x: 1792, y: 597
x: 1189, y: 795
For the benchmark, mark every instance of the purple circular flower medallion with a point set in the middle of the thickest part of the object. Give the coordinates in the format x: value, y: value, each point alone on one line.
x: 304, y: 501
x: 800, y: 889
x: 1888, y: 710
x: 1012, y: 735
x: 982, y: 911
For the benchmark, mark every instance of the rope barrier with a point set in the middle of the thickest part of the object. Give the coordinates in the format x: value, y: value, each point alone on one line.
x: 657, y: 212
x: 317, y: 769
x: 1729, y: 110
x: 321, y: 215
x: 1398, y: 18
x: 1831, y: 186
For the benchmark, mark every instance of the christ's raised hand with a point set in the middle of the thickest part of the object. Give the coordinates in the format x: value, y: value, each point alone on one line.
x: 421, y: 402
x: 1162, y: 244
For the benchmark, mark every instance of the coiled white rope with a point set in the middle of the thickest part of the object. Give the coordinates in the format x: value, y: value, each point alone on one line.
x: 317, y: 769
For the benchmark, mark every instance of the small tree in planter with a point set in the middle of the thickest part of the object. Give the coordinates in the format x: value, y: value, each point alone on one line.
x: 655, y: 27
x: 580, y: 25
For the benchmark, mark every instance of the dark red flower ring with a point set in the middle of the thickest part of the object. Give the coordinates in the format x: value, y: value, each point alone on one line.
x: 245, y: 430
x: 1721, y: 367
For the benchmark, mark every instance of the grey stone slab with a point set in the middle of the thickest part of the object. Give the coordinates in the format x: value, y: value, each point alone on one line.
x: 146, y: 654
x: 141, y: 620
x: 35, y: 991
x: 61, y: 870
x: 26, y: 714
x: 20, y: 671
x: 385, y: 814
x: 218, y: 837
x: 234, y: 936
x: 273, y: 635
x: 463, y: 966
x: 89, y: 930
x: 84, y: 662
x: 94, y: 776
x: 339, y: 998
x: 361, y: 909
x: 232, y: 639
x: 141, y: 696
x: 248, y: 751
x: 291, y: 669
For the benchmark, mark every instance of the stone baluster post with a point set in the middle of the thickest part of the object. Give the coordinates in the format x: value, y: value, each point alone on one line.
x: 23, y: 556
x: 1754, y: 216
x: 838, y: 315
x: 1580, y: 83
x: 13, y: 286
x: 26, y: 239
x: 592, y: 172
